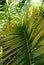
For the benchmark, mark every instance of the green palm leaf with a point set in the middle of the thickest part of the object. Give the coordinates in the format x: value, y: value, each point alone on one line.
x: 19, y: 50
x: 22, y: 43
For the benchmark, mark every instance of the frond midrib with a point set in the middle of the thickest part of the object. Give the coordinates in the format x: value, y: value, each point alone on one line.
x: 29, y: 55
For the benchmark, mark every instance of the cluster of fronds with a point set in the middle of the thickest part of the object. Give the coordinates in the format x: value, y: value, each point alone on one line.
x: 23, y: 41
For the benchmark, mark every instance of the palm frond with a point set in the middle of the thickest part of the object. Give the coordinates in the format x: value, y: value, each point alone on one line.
x: 22, y: 43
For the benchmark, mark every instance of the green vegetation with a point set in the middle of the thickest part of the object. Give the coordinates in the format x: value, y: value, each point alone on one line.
x: 21, y: 33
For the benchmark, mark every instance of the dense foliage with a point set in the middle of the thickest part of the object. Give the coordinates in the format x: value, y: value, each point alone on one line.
x: 21, y: 33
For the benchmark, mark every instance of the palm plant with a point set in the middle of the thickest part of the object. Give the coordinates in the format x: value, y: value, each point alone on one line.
x: 23, y: 41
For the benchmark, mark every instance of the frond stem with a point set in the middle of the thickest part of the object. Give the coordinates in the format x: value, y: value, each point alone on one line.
x: 27, y: 47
